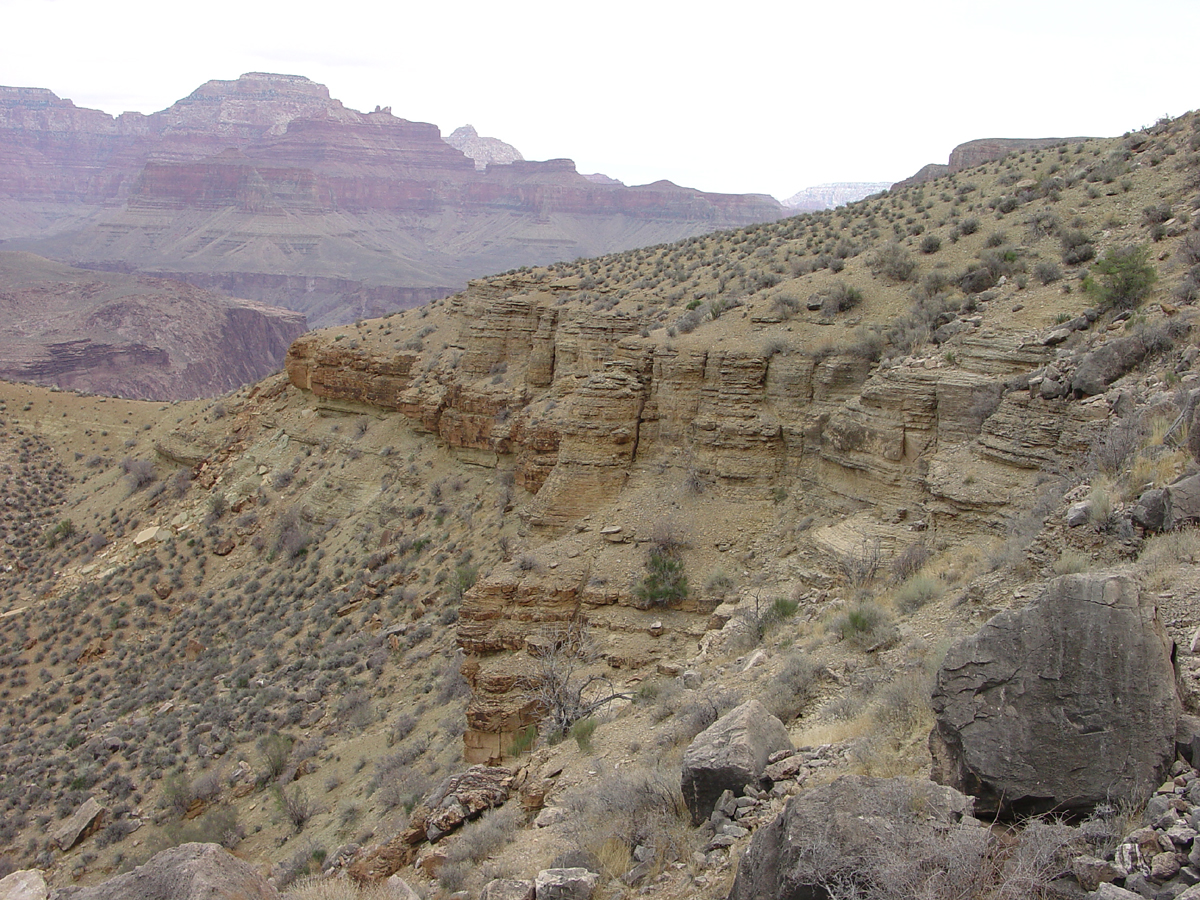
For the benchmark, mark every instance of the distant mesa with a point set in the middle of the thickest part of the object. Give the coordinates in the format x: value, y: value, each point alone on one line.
x: 978, y: 152
x: 267, y: 188
x: 486, y: 151
x: 829, y: 196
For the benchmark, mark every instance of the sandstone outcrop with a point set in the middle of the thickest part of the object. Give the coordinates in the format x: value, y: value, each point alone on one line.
x: 186, y: 872
x: 26, y: 884
x: 1062, y: 705
x: 456, y: 800
x: 856, y: 831
x: 267, y: 188
x: 730, y: 754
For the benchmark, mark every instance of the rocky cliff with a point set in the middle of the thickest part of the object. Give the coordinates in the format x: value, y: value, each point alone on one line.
x: 486, y: 151
x: 265, y: 180
x: 977, y: 152
x: 132, y: 336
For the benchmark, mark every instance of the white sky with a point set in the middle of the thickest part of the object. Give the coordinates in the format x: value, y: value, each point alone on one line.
x: 752, y: 96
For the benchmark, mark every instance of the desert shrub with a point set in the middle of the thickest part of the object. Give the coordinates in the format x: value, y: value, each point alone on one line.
x: 1077, y: 247
x: 909, y: 561
x: 581, y: 732
x: 1071, y: 562
x: 719, y: 584
x: 296, y: 806
x: 865, y: 624
x: 969, y: 225
x: 1125, y: 277
x: 1047, y: 271
x: 757, y: 618
x: 291, y: 536
x: 916, y: 592
x: 276, y: 750
x: 138, y: 473
x: 840, y: 298
x: 636, y: 805
x: 893, y: 262
x: 791, y: 690
x: 931, y: 243
x: 860, y: 565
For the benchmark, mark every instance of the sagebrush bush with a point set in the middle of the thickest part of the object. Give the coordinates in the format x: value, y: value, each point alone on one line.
x: 865, y: 624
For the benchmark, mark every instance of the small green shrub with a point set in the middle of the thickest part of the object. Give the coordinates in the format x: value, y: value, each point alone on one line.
x: 665, y: 581
x: 522, y: 741
x: 1125, y: 277
x: 865, y: 624
x: 581, y: 731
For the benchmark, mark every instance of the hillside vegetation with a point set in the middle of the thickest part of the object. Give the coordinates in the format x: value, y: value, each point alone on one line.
x: 562, y: 521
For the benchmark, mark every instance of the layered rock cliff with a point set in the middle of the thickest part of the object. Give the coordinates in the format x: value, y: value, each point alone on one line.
x: 977, y: 152
x: 268, y: 187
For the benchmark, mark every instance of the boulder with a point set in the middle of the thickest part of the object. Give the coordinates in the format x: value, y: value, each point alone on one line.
x: 729, y: 754
x: 26, y: 884
x: 1060, y: 706
x: 565, y: 884
x: 82, y: 822
x: 1104, y: 365
x: 859, y: 832
x: 186, y: 872
x: 399, y: 889
x: 507, y: 889
x: 1150, y: 511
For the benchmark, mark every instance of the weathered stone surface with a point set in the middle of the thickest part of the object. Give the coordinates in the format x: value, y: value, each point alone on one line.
x: 1163, y: 509
x: 457, y: 799
x: 399, y: 889
x: 1059, y: 706
x: 565, y: 884
x: 728, y: 755
x: 1108, y: 362
x: 81, y: 823
x: 27, y: 884
x: 507, y: 889
x: 835, y: 833
x: 186, y: 872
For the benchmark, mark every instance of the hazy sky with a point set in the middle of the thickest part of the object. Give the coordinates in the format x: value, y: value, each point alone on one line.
x: 754, y: 96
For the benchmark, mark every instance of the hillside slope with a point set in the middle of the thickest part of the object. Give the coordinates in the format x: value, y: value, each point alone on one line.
x: 790, y: 462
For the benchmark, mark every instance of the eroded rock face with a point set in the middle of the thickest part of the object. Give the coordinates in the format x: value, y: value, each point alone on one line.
x: 27, y: 884
x: 457, y: 799
x: 1059, y: 706
x: 849, y: 833
x: 730, y: 754
x: 186, y: 872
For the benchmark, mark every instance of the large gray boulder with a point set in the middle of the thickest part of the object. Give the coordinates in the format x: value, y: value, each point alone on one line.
x: 1061, y: 705
x: 84, y: 821
x: 186, y: 872
x: 25, y: 884
x: 1104, y: 365
x: 861, y: 832
x: 728, y: 755
x: 1163, y: 509
x: 565, y: 884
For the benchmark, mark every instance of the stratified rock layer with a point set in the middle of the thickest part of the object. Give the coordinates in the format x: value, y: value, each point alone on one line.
x: 1062, y: 705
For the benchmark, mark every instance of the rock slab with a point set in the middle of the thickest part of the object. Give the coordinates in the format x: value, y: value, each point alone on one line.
x: 186, y: 872
x: 1060, y: 706
x: 728, y: 755
x: 565, y: 884
x: 26, y: 884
